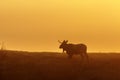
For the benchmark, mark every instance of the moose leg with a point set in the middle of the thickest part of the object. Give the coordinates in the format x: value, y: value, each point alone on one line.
x: 63, y: 50
x: 70, y: 56
x: 82, y: 57
x: 87, y: 58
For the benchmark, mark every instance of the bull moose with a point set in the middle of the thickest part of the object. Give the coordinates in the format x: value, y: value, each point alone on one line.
x: 74, y: 49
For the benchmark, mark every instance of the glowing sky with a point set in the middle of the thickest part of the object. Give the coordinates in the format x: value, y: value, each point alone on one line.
x: 37, y: 25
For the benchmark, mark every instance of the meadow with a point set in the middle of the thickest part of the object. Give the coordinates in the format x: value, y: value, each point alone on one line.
x: 21, y: 65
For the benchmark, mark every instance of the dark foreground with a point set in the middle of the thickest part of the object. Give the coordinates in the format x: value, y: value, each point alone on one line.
x: 55, y: 66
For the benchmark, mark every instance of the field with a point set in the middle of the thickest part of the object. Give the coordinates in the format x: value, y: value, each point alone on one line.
x: 18, y: 65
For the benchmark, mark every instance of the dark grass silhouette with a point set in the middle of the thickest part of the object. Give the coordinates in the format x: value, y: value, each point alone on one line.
x: 56, y: 66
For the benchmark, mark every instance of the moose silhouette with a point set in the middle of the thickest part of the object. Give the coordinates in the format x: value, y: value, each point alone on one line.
x: 74, y: 49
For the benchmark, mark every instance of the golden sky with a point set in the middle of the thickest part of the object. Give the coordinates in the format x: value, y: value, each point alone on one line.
x: 37, y: 25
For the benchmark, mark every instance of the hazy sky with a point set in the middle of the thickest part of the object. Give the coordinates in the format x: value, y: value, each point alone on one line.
x: 37, y: 25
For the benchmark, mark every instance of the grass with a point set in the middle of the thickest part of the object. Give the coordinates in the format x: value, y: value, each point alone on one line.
x: 18, y: 65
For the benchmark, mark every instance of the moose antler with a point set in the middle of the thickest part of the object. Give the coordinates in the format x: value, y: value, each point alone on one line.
x: 59, y: 41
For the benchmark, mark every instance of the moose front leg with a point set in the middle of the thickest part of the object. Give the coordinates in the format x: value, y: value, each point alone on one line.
x: 64, y: 51
x: 70, y: 55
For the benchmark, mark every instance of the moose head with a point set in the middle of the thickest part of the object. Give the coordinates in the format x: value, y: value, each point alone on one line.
x: 63, y: 44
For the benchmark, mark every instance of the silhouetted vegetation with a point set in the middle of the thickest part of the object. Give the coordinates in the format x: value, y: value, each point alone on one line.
x: 18, y: 65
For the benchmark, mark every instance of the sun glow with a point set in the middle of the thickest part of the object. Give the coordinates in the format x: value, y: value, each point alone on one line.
x: 37, y: 25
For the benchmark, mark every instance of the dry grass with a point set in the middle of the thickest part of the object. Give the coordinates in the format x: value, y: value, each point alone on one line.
x: 55, y: 66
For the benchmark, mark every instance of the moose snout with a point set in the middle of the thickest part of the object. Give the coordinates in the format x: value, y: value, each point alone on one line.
x: 60, y: 47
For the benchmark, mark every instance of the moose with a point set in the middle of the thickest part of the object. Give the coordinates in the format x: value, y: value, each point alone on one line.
x: 74, y: 49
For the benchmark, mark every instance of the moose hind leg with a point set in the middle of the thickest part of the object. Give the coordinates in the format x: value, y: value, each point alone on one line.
x: 82, y: 57
x: 87, y: 58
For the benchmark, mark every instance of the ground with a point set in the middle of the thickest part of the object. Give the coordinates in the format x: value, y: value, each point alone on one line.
x: 18, y: 65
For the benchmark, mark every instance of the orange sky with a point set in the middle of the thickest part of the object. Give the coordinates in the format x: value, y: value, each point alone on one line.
x: 37, y: 25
